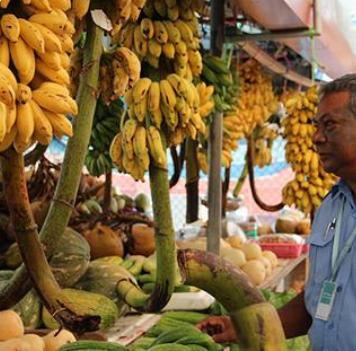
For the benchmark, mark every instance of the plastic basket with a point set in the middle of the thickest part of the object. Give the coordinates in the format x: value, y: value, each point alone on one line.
x: 283, y: 250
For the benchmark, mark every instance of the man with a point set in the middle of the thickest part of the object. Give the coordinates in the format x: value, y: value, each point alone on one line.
x: 327, y: 309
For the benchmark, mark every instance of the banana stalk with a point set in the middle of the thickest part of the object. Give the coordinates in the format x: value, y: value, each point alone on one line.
x: 256, y: 322
x: 192, y: 184
x: 241, y: 181
x: 61, y: 208
x: 15, y: 188
x: 127, y: 288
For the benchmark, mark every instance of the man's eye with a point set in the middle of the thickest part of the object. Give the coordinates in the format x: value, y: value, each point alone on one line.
x: 329, y: 124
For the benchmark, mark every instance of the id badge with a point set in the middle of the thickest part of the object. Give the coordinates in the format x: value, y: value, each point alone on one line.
x: 326, y: 301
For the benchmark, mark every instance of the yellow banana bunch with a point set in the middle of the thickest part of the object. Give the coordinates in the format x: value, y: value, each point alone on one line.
x: 311, y: 182
x: 34, y: 98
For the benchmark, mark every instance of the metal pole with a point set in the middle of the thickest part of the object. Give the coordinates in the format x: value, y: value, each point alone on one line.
x: 215, y: 138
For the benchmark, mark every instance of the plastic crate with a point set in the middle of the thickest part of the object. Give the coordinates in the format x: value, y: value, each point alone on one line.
x: 283, y: 250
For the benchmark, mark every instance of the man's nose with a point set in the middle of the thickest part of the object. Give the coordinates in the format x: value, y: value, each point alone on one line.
x: 319, y: 135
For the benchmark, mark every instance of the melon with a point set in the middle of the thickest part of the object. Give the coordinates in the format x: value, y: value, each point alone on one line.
x: 11, y: 325
x: 36, y: 342
x: 252, y: 251
x: 54, y: 340
x: 272, y: 257
x: 234, y: 256
x: 29, y: 309
x: 267, y: 264
x: 88, y: 303
x: 255, y: 270
x: 15, y: 345
x: 235, y: 241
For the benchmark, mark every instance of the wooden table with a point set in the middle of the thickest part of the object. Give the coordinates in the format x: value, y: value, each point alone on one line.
x: 284, y: 268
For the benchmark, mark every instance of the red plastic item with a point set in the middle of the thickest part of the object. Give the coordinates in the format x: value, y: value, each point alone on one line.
x: 284, y: 250
x: 305, y: 248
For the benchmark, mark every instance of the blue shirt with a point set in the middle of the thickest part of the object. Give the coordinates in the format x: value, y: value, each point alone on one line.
x: 339, y: 332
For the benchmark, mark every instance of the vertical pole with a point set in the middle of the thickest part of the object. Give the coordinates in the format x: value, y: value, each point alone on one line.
x: 192, y: 185
x: 215, y: 138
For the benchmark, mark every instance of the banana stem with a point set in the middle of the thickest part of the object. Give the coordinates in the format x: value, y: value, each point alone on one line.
x: 241, y: 181
x: 64, y: 198
x: 15, y: 188
x: 165, y: 250
x: 245, y: 303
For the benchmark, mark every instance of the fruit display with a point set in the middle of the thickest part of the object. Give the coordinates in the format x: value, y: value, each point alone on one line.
x: 311, y: 183
x: 106, y: 125
x: 34, y: 98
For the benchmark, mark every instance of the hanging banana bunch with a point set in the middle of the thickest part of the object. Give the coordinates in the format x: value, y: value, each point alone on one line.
x: 34, y: 98
x: 311, y: 182
x: 106, y: 125
x: 170, y: 29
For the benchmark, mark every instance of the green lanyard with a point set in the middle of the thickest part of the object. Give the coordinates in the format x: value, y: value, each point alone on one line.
x: 336, y: 259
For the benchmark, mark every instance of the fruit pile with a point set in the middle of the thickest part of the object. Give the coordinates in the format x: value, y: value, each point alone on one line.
x: 311, y: 182
x: 34, y: 98
x: 257, y: 264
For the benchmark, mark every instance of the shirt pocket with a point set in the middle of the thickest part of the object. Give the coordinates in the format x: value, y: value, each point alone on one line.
x: 320, y: 257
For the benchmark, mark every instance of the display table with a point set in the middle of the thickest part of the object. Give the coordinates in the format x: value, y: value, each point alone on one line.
x: 284, y: 268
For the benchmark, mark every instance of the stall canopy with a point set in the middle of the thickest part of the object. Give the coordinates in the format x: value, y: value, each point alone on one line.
x: 334, y: 50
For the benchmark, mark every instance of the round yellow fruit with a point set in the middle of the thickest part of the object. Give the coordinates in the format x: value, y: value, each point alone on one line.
x: 54, y: 341
x: 235, y: 241
x: 11, y: 325
x: 234, y: 256
x: 255, y: 270
x: 36, y: 342
x: 252, y: 251
x: 267, y: 263
x: 272, y: 257
x: 16, y: 344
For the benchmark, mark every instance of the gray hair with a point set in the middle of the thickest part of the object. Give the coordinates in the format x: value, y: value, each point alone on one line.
x: 344, y: 83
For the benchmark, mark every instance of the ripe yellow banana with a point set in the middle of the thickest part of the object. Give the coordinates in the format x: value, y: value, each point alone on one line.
x: 128, y: 97
x: 42, y: 5
x: 139, y: 143
x: 51, y: 41
x: 140, y: 43
x: 11, y: 118
x: 178, y: 84
x: 43, y: 132
x: 10, y: 27
x: 61, y: 76
x: 67, y: 42
x: 52, y: 102
x: 23, y: 94
x: 65, y: 60
x: 7, y: 93
x: 147, y: 28
x: 156, y: 118
x: 154, y: 97
x: 155, y: 147
x: 168, y: 96
x: 169, y: 50
x: 141, y: 89
x: 63, y: 5
x: 185, y: 31
x: 3, y: 121
x: 32, y: 35
x: 154, y: 47
x: 51, y: 21
x: 130, y: 63
x: 8, y: 139
x: 173, y: 32
x: 23, y: 57
x: 51, y: 59
x: 129, y: 129
x: 80, y: 7
x: 4, y: 4
x: 54, y: 88
x: 60, y: 124
x: 160, y: 32
x: 116, y: 152
x: 4, y: 51
x: 173, y: 13
x: 25, y: 126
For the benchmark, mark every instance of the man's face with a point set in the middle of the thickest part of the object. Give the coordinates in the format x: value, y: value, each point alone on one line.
x: 335, y: 136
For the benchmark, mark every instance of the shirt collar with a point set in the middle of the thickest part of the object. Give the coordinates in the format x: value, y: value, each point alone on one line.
x: 341, y: 188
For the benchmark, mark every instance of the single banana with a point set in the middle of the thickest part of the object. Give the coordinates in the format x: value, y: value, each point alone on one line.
x: 10, y: 27
x: 60, y: 124
x: 65, y: 60
x: 141, y: 89
x: 173, y: 32
x: 168, y: 95
x: 7, y: 93
x: 140, y: 43
x: 178, y: 84
x: 129, y: 129
x: 154, y: 47
x: 43, y: 132
x: 67, y: 42
x: 130, y: 63
x: 23, y: 58
x: 9, y: 138
x: 147, y: 28
x: 23, y: 94
x: 3, y: 121
x: 32, y: 35
x: 11, y: 118
x: 51, y: 41
x: 60, y: 76
x: 173, y: 13
x: 116, y: 152
x: 51, y: 59
x: 154, y: 97
x: 4, y: 51
x: 25, y: 126
x: 139, y: 143
x: 169, y: 50
x: 185, y: 31
x: 42, y: 5
x: 64, y: 5
x: 160, y: 32
x: 51, y: 21
x: 155, y: 147
x: 54, y: 88
x: 55, y: 103
x: 80, y: 7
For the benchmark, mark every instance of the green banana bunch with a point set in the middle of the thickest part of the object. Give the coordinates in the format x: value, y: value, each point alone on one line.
x: 105, y: 126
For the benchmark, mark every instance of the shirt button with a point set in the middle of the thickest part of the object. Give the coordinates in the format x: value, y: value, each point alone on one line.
x: 331, y: 326
x: 339, y: 289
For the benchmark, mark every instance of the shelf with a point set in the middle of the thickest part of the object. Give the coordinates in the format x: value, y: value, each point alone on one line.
x: 285, y: 267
